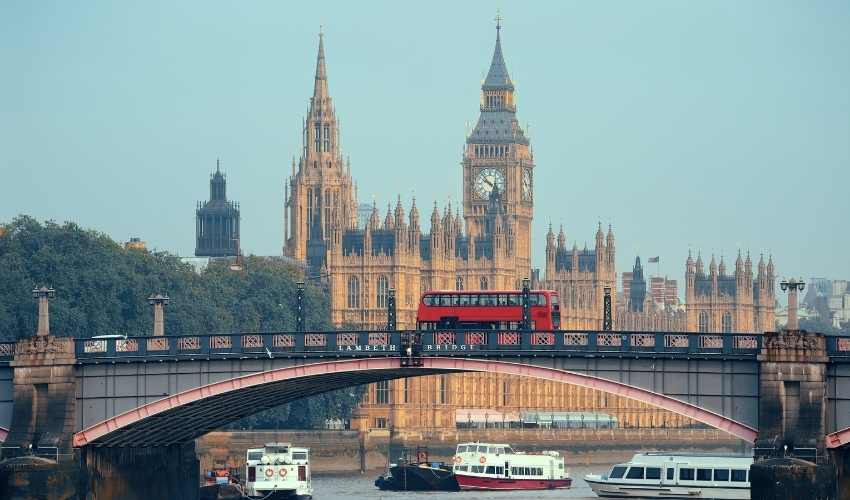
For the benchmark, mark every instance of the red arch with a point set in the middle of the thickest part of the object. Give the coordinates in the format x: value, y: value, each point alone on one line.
x: 388, y: 368
x: 838, y: 439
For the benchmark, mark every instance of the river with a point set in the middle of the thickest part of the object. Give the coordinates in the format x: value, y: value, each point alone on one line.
x: 355, y: 487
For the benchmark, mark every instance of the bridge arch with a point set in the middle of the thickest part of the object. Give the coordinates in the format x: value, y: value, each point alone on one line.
x: 190, y: 414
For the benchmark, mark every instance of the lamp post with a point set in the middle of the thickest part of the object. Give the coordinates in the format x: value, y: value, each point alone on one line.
x: 391, y: 313
x: 159, y: 301
x: 792, y: 286
x: 43, y: 295
x: 299, y: 307
x: 526, y: 304
x: 607, y: 323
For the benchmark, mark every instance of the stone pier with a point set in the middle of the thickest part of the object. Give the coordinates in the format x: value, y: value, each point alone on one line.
x: 790, y: 450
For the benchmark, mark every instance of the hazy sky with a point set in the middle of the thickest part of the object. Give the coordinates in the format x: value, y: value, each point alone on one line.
x: 706, y: 125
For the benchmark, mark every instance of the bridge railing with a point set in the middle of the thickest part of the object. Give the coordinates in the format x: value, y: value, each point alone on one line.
x: 7, y: 351
x: 433, y: 343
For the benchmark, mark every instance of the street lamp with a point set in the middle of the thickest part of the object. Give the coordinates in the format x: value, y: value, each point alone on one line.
x: 607, y: 323
x: 792, y: 286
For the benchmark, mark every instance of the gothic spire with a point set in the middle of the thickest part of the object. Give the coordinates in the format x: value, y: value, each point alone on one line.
x: 320, y: 88
x: 497, y: 76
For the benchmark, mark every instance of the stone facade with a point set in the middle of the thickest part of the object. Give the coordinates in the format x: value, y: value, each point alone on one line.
x: 718, y: 302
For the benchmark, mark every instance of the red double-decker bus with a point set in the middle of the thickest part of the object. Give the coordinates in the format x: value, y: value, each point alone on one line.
x: 487, y: 309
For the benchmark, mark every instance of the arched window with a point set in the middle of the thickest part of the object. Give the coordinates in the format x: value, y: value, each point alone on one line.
x: 727, y: 322
x: 383, y: 288
x: 703, y: 321
x: 459, y: 283
x: 327, y: 141
x: 317, y: 139
x: 354, y: 292
x: 483, y: 283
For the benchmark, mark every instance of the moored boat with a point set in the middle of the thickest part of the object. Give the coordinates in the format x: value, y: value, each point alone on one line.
x: 667, y: 475
x: 486, y: 466
x: 278, y: 471
x: 418, y: 475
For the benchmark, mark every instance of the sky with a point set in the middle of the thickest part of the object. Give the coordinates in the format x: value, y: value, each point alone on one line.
x: 709, y: 126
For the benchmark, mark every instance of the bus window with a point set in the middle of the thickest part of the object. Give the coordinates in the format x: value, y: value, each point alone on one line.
x: 514, y: 299
x: 445, y: 300
x: 487, y: 300
x: 426, y: 300
x: 455, y: 300
x: 473, y: 300
x: 464, y: 300
x: 538, y: 299
x: 502, y: 299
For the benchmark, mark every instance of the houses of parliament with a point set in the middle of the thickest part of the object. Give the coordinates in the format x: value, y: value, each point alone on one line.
x: 483, y: 244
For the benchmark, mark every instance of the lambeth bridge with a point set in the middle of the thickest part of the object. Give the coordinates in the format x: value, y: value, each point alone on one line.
x: 121, y: 405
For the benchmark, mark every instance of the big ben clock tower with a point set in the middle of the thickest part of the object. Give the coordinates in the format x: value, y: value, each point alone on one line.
x: 498, y: 159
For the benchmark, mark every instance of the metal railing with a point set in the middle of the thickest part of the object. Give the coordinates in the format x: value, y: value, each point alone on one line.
x: 432, y: 343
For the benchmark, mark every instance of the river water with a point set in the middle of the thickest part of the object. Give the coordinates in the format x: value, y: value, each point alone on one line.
x: 355, y: 487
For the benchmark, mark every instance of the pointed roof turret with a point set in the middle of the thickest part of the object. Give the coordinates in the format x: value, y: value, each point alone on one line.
x: 562, y: 237
x: 497, y: 76
x: 712, y: 266
x: 399, y: 213
x: 550, y: 238
x: 374, y: 219
x: 414, y: 214
x: 320, y: 87
x: 610, y: 237
x: 690, y: 261
x: 739, y: 263
x: 700, y: 268
x: 722, y: 266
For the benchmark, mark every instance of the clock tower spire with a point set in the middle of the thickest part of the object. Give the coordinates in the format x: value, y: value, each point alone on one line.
x: 498, y: 156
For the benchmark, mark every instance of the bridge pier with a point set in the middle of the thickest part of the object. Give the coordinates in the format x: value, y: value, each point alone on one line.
x: 790, y: 450
x: 139, y: 473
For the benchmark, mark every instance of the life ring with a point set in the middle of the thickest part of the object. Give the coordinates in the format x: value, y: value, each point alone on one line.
x: 483, y: 460
x: 269, y: 472
x: 282, y: 472
x: 456, y: 459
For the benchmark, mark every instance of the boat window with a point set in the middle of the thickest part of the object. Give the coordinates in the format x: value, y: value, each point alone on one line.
x: 461, y: 468
x: 500, y: 470
x: 739, y: 476
x: 721, y: 474
x: 491, y: 469
x: 461, y: 449
x: 686, y: 474
x: 508, y: 449
x: 635, y: 473
x: 255, y: 455
x: 670, y: 474
x: 478, y: 468
x: 299, y: 455
x: 499, y: 451
x: 653, y: 473
x: 703, y: 474
x: 482, y: 449
x: 617, y: 472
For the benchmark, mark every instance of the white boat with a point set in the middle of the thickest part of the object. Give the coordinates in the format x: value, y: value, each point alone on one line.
x: 486, y: 466
x: 277, y: 471
x: 665, y: 475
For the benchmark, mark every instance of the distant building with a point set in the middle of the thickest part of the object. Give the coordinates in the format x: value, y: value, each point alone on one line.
x: 642, y: 312
x: 135, y: 244
x: 718, y: 302
x: 217, y: 221
x: 829, y: 300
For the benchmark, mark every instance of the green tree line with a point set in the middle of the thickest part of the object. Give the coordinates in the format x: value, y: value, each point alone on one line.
x: 102, y: 289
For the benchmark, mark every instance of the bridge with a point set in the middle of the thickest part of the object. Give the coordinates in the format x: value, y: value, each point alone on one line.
x: 138, y: 403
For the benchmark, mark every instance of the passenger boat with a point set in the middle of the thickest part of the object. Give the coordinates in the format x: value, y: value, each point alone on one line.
x: 485, y: 466
x: 278, y: 471
x: 418, y: 474
x: 664, y: 475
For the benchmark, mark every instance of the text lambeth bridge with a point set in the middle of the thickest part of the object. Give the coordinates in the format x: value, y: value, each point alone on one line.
x: 129, y: 409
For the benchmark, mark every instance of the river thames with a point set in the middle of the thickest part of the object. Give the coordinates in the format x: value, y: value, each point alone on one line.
x: 352, y: 487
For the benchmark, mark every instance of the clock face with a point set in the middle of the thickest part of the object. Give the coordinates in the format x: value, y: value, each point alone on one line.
x: 488, y: 179
x: 526, y: 185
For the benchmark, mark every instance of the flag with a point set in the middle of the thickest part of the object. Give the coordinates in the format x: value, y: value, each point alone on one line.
x: 654, y: 260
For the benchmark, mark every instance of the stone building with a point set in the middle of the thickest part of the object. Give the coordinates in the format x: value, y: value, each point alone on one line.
x: 721, y: 302
x: 217, y: 221
x: 640, y: 311
x: 580, y: 277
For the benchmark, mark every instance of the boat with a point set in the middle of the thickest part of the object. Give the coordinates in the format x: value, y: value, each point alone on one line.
x: 667, y: 475
x: 419, y: 474
x: 485, y: 466
x: 278, y: 471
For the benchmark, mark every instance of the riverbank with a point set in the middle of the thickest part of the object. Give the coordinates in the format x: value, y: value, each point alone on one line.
x: 338, y: 452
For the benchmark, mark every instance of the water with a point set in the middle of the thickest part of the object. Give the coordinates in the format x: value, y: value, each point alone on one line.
x: 355, y: 487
